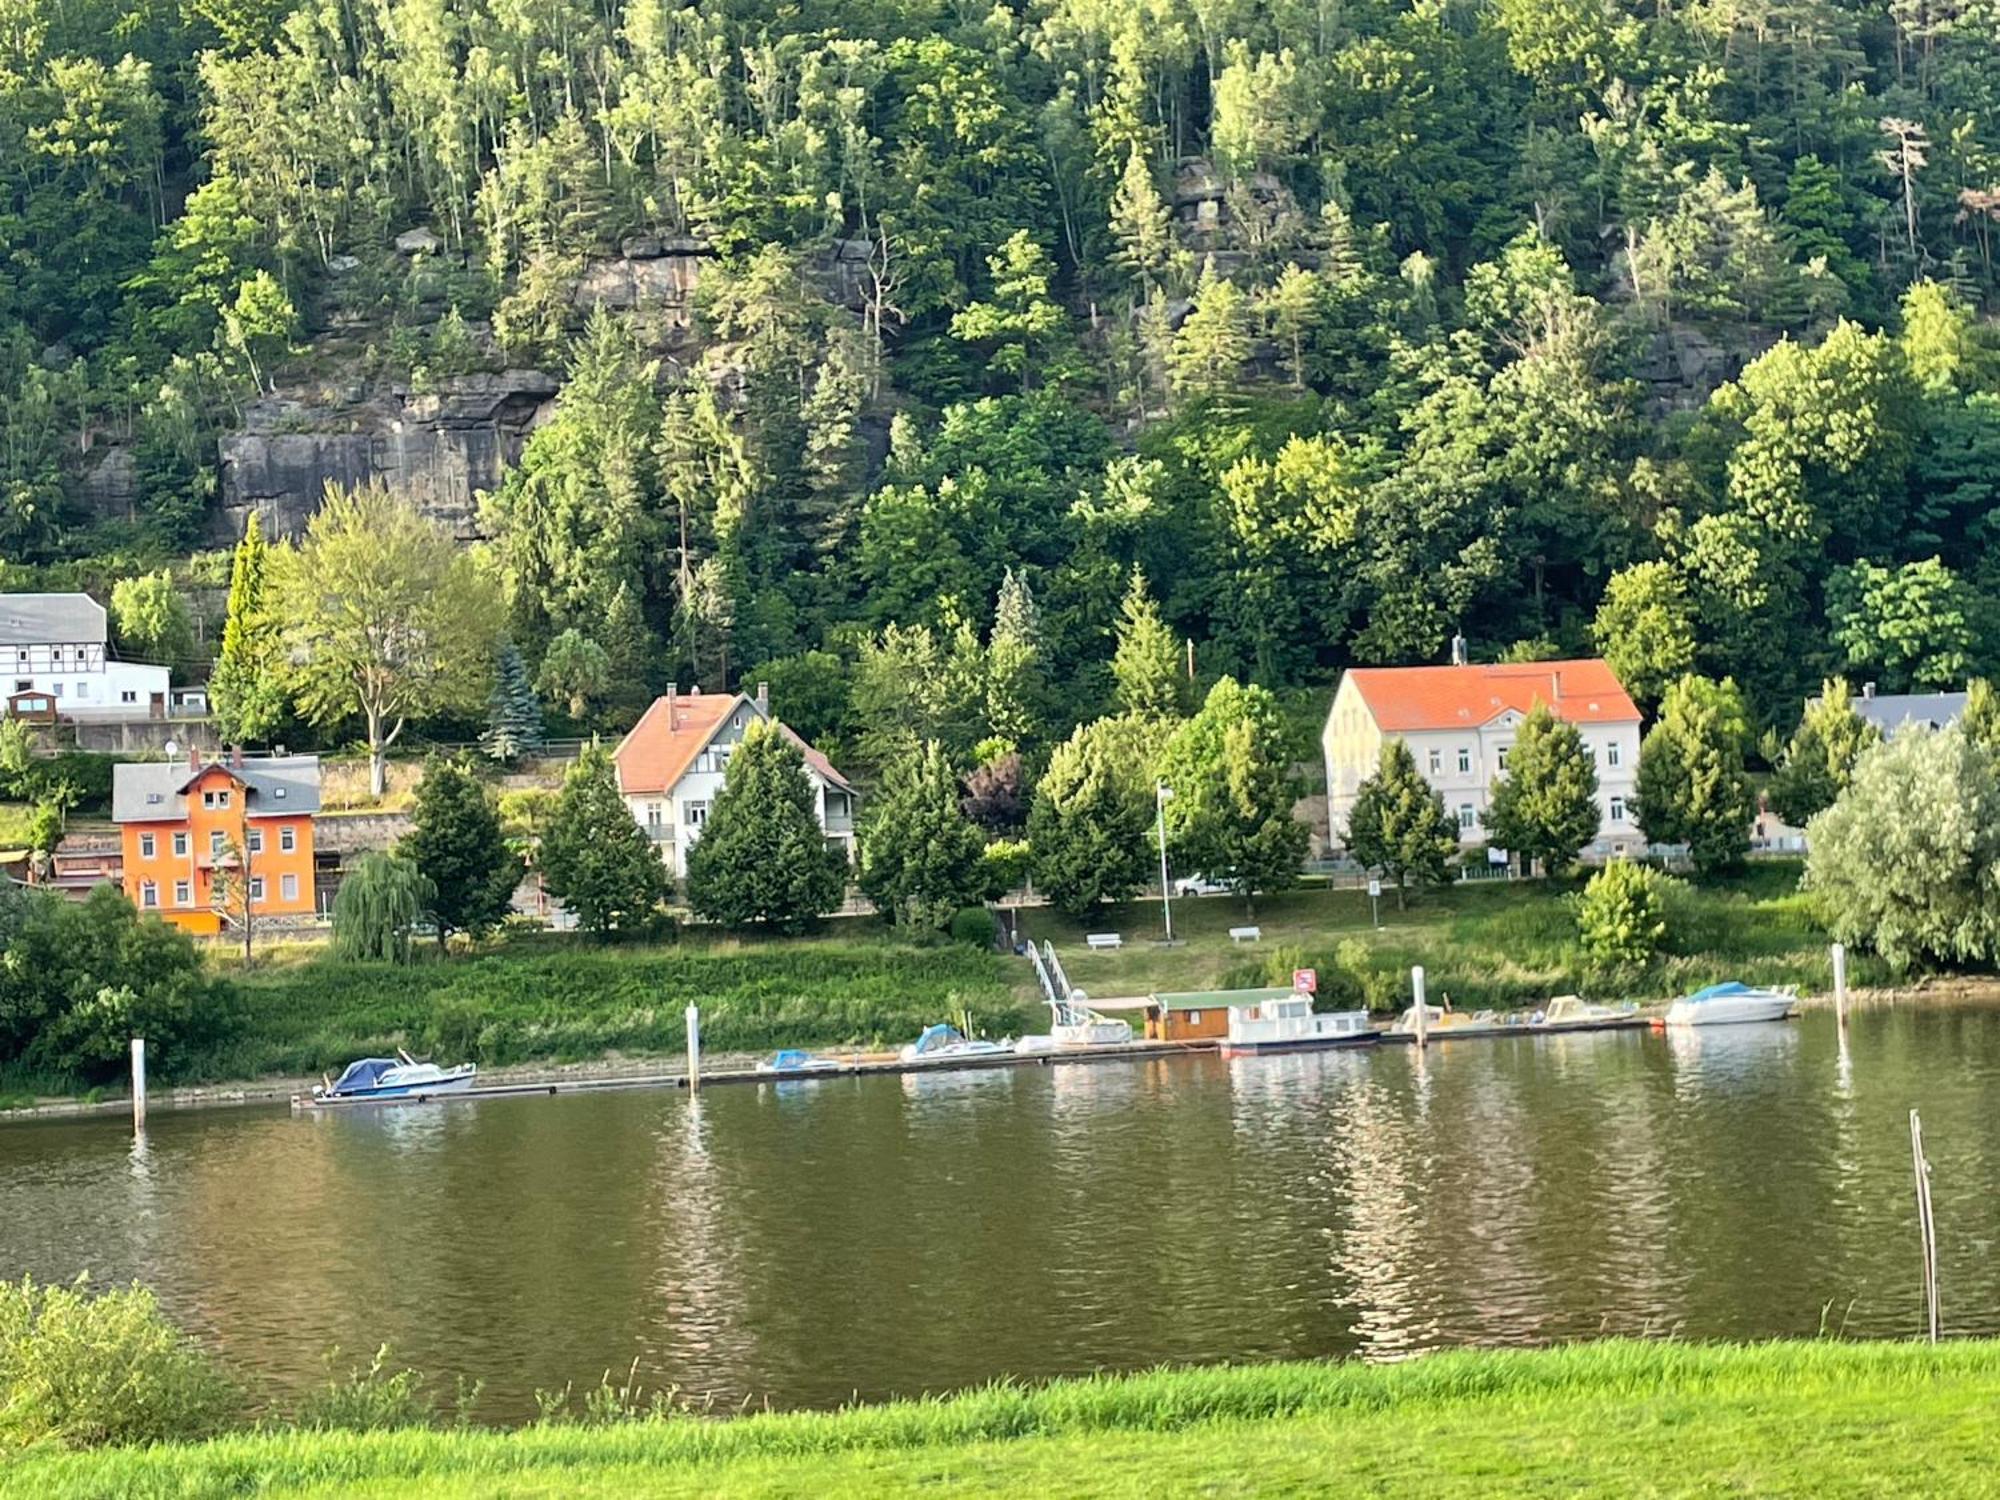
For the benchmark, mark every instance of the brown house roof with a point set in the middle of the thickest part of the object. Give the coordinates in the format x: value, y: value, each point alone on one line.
x: 669, y: 735
x: 1584, y: 691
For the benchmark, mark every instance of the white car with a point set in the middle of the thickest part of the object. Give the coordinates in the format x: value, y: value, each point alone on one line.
x: 1202, y: 885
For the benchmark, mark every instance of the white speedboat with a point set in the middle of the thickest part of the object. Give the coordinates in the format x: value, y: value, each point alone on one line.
x: 1572, y: 1011
x: 400, y: 1077
x: 791, y: 1060
x: 941, y: 1042
x: 1731, y: 1004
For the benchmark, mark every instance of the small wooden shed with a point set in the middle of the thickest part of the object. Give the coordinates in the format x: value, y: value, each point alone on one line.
x: 1200, y: 1015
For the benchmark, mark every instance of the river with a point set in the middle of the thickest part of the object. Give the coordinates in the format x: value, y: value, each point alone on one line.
x: 804, y: 1243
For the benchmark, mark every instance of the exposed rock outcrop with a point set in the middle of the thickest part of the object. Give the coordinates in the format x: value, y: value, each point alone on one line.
x: 442, y: 446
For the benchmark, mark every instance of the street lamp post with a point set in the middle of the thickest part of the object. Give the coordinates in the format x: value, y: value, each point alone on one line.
x: 1161, y: 792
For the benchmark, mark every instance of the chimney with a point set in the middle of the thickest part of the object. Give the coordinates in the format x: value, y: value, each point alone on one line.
x: 1867, y: 690
x: 1458, y: 651
x: 194, y: 757
x: 1555, y: 689
x: 236, y: 756
x: 673, y: 706
x: 764, y: 697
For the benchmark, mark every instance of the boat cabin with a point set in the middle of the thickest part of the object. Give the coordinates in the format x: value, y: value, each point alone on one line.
x: 1202, y: 1015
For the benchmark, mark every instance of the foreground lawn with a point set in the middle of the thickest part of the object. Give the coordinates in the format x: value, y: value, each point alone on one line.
x: 1493, y: 944
x: 1616, y: 1418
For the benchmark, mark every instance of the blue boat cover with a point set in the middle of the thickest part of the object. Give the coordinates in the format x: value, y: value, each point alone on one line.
x: 937, y: 1036
x: 791, y: 1058
x: 363, y: 1075
x: 1719, y: 991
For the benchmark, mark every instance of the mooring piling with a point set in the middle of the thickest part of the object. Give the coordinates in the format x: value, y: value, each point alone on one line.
x: 1926, y: 1223
x: 139, y: 1084
x: 694, y: 1047
x: 1417, y: 992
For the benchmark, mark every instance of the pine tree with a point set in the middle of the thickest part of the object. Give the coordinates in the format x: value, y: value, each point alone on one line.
x: 1213, y: 344
x: 1146, y: 664
x: 761, y: 856
x: 1141, y: 224
x: 514, y: 713
x: 246, y: 692
x: 1692, y: 787
x: 1398, y: 825
x: 1296, y: 306
x: 595, y: 857
x: 1015, y: 706
x: 1545, y: 808
x: 920, y: 854
x: 457, y: 844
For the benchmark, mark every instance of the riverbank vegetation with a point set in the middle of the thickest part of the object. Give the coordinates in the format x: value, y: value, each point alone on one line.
x: 1616, y: 1417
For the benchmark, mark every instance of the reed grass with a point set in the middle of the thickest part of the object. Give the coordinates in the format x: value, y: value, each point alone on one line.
x: 1617, y: 1417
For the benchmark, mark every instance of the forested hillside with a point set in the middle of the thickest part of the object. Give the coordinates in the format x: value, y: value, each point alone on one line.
x: 1343, y: 327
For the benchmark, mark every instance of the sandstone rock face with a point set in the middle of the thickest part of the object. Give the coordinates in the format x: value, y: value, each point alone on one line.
x: 418, y: 242
x: 656, y: 280
x: 443, y: 447
x: 110, y: 486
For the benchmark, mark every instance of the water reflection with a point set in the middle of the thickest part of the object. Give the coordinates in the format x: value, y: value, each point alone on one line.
x: 805, y: 1242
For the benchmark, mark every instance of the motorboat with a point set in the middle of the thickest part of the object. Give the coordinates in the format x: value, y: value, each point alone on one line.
x: 398, y: 1077
x: 941, y: 1042
x: 1072, y: 1023
x: 1290, y: 1024
x: 1572, y: 1011
x: 792, y: 1060
x: 1732, y: 1004
x: 1439, y: 1021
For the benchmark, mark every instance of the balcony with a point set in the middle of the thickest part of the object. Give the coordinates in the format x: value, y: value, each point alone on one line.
x: 659, y: 833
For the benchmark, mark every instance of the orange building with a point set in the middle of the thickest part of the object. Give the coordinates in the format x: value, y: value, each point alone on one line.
x: 190, y: 830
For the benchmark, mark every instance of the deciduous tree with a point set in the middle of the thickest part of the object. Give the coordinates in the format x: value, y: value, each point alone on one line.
x: 1692, y: 787
x: 1545, y: 808
x: 595, y: 856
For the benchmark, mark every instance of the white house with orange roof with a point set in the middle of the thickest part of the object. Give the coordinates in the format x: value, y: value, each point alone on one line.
x: 670, y: 767
x: 1460, y: 721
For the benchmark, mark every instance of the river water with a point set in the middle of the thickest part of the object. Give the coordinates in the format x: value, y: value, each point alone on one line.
x: 805, y: 1243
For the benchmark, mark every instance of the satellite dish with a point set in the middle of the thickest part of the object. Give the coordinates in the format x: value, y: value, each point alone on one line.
x: 170, y: 749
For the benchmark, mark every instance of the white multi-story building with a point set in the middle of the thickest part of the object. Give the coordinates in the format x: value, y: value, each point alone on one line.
x: 671, y: 765
x: 55, y: 647
x: 1461, y: 720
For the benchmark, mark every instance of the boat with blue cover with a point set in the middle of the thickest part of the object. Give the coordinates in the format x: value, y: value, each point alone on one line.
x: 1731, y: 1003
x: 399, y: 1077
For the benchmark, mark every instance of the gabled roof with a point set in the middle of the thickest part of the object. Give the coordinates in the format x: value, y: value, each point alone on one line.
x: 656, y: 754
x: 155, y: 791
x: 51, y: 620
x: 1404, y: 699
x: 1890, y: 712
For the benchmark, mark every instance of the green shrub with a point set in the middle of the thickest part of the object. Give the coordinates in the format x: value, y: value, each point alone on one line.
x: 973, y: 926
x: 378, y: 1398
x: 82, y: 1371
x: 1621, y: 915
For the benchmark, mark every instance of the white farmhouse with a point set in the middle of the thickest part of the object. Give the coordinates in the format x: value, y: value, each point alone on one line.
x: 670, y: 768
x: 1460, y: 721
x: 54, y: 655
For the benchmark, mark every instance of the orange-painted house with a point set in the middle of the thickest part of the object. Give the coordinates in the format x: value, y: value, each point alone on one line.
x: 189, y: 828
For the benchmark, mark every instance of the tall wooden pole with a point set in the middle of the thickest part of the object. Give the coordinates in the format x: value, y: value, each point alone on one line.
x: 138, y: 1085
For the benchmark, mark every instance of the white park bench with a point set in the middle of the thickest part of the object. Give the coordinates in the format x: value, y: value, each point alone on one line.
x: 1246, y: 934
x: 1101, y: 940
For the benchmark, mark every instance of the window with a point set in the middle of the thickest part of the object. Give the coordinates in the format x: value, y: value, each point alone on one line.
x: 215, y: 841
x: 1194, y: 1018
x: 288, y: 887
x: 56, y: 691
x: 183, y: 893
x: 1617, y: 809
x: 83, y: 690
x: 180, y: 846
x: 1502, y: 756
x: 149, y: 894
x: 653, y: 814
x: 1590, y: 752
x: 22, y: 685
x: 288, y: 840
x: 256, y: 887
x: 696, y: 814
x: 1464, y: 761
x: 1437, y: 762
x: 147, y: 847
x: 1611, y: 753
x: 256, y: 839
x: 128, y: 696
x: 216, y: 798
x: 1465, y: 817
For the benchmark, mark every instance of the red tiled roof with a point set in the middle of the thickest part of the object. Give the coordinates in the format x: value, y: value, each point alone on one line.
x: 1585, y: 691
x: 655, y: 755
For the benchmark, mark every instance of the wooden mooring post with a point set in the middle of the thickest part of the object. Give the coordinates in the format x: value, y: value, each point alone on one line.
x: 1926, y: 1224
x: 694, y: 1047
x: 1417, y: 992
x: 1839, y: 952
x: 139, y: 1084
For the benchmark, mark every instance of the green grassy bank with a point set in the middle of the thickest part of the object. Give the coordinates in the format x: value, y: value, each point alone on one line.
x: 571, y: 1000
x: 1501, y: 944
x: 1615, y: 1418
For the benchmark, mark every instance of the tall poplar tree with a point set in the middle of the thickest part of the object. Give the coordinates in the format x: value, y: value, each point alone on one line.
x: 246, y: 691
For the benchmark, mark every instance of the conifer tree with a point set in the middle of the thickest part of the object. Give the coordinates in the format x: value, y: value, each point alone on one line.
x: 1399, y: 825
x: 457, y: 844
x: 1213, y: 343
x: 1146, y: 665
x: 1692, y: 788
x: 762, y: 856
x: 1545, y: 807
x: 1015, y: 699
x: 920, y: 854
x: 595, y: 857
x: 1141, y: 224
x: 513, y: 713
x: 246, y: 693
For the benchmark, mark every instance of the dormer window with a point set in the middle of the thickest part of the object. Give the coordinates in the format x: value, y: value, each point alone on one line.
x: 216, y: 797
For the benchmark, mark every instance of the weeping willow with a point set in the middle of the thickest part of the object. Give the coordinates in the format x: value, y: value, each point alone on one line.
x: 378, y: 905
